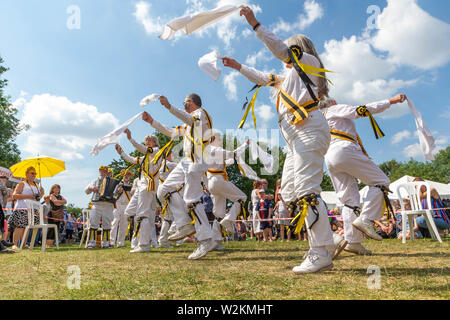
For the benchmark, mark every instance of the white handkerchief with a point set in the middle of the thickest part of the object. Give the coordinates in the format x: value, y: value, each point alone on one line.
x: 427, y: 143
x: 208, y: 64
x: 257, y: 153
x: 191, y: 23
x: 149, y: 99
x: 111, y: 137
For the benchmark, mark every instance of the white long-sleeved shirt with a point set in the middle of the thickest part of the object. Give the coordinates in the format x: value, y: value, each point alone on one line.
x: 341, y: 117
x: 163, y: 172
x: 292, y: 84
x: 202, y: 129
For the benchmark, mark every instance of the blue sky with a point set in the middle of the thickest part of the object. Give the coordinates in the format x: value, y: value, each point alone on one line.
x: 75, y: 85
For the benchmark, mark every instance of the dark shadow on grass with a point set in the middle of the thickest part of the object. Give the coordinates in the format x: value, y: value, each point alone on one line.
x: 414, y: 255
x: 394, y: 271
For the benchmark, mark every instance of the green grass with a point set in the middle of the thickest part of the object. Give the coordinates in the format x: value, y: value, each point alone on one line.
x: 247, y: 270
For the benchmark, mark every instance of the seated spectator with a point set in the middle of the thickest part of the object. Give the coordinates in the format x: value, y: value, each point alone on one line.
x: 27, y: 189
x: 441, y: 220
x: 56, y: 214
x: 264, y: 212
x: 241, y: 231
x: 387, y: 228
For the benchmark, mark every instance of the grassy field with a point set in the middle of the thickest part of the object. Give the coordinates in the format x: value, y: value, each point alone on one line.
x: 247, y: 270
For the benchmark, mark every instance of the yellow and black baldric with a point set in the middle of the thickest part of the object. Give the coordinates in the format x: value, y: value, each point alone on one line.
x: 362, y: 111
x: 145, y: 169
x: 192, y: 133
x: 345, y: 136
x: 300, y: 111
x: 251, y: 106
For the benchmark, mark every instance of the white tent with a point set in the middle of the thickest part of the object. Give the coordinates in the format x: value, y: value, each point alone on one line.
x: 442, y: 188
x: 331, y: 199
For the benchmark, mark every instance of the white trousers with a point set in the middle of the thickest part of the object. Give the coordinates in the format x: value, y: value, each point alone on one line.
x: 346, y: 164
x: 191, y: 174
x: 164, y: 233
x: 143, y: 206
x: 101, y: 211
x: 303, y: 171
x: 221, y: 190
x: 119, y: 225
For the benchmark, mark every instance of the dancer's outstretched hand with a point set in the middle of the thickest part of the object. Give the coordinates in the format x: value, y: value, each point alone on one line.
x: 231, y: 63
x: 398, y: 98
x: 147, y: 117
x: 163, y: 100
x: 128, y: 133
x: 249, y: 15
x: 119, y: 149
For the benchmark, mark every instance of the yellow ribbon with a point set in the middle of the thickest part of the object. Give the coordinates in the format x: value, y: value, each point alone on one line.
x: 307, y: 68
x: 362, y: 111
x: 164, y: 151
x: 301, y: 217
x: 251, y: 106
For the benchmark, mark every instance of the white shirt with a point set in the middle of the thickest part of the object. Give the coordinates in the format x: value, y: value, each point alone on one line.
x: 341, y: 117
x: 201, y: 129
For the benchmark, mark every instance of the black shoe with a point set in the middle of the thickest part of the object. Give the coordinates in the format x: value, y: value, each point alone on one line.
x: 4, y: 249
x: 7, y: 244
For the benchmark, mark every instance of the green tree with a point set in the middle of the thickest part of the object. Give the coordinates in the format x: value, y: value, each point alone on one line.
x: 73, y: 210
x: 437, y: 170
x: 9, y: 124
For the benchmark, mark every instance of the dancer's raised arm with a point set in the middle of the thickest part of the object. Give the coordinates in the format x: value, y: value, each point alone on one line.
x: 169, y: 132
x: 139, y: 146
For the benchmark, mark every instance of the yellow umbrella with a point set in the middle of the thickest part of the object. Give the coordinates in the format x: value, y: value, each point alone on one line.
x: 45, y: 167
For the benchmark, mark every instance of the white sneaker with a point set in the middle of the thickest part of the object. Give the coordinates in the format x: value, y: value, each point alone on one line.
x: 106, y: 245
x: 314, y: 263
x: 141, y: 249
x: 366, y: 228
x: 219, y: 246
x: 183, y: 232
x: 120, y: 245
x: 228, y: 225
x: 202, y: 249
x: 165, y: 244
x: 180, y: 242
x: 337, y: 247
x: 92, y: 244
x: 358, y: 248
x: 155, y: 244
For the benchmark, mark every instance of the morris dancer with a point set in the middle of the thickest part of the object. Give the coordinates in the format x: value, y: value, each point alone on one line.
x: 101, y: 210
x: 347, y: 161
x: 306, y: 132
x: 222, y: 189
x: 167, y: 216
x: 190, y: 171
x: 142, y: 203
x: 120, y: 222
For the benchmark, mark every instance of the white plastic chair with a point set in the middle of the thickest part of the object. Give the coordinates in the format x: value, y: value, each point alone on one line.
x: 86, y: 218
x: 31, y: 207
x: 413, y: 188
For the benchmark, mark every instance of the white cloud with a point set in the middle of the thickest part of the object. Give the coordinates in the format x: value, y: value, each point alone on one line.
x: 152, y: 25
x: 229, y: 81
x: 400, y: 136
x: 262, y: 55
x: 413, y: 151
x: 265, y: 112
x: 62, y: 128
x: 366, y: 64
x: 411, y: 36
x: 313, y: 12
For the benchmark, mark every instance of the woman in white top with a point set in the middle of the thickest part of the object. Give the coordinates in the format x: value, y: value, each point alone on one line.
x: 256, y: 225
x: 282, y: 213
x: 26, y: 189
x: 305, y: 130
